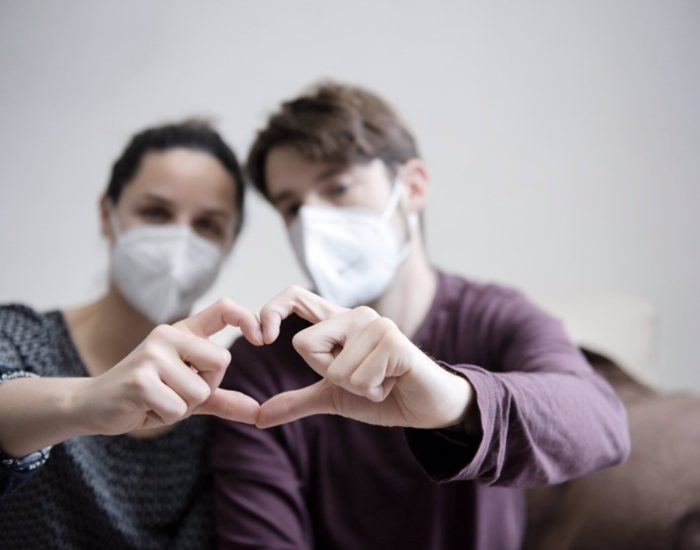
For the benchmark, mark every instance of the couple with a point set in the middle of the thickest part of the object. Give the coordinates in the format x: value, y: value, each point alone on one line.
x: 402, y: 408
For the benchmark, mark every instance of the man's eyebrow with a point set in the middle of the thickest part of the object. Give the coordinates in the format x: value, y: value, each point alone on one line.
x: 288, y: 194
x: 328, y: 173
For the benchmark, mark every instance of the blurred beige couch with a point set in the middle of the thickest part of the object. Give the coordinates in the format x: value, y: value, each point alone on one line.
x: 653, y: 500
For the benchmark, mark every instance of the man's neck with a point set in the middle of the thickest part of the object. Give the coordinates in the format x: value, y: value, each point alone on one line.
x: 105, y: 331
x: 411, y: 293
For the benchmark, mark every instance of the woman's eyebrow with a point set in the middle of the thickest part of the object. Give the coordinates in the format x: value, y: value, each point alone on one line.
x: 156, y: 198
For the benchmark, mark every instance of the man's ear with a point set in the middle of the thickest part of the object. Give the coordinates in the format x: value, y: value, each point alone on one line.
x: 105, y: 225
x: 416, y: 178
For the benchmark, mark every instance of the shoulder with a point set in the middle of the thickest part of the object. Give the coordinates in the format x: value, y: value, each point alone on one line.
x: 478, y: 299
x: 18, y: 318
x: 479, y: 314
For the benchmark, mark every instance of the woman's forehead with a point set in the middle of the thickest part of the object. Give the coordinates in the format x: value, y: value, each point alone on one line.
x: 183, y: 176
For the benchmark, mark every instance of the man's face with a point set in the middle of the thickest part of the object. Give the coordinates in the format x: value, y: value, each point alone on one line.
x: 293, y: 182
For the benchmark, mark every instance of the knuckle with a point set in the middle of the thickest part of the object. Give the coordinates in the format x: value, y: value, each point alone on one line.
x: 364, y: 314
x: 267, y: 309
x: 162, y: 331
x: 179, y: 411
x: 295, y: 290
x: 140, y: 381
x: 363, y: 385
x: 383, y: 324
x: 150, y: 351
x: 200, y: 394
x: 222, y: 361
x: 391, y: 337
x: 225, y: 304
x: 300, y: 341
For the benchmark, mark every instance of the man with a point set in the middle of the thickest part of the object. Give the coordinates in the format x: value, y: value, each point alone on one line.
x: 464, y: 392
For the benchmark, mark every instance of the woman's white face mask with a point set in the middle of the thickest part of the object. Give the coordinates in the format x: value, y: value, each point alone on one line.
x: 351, y: 254
x: 161, y: 270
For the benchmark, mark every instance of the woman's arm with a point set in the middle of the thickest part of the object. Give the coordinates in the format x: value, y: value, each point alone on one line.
x: 39, y: 412
x: 173, y: 373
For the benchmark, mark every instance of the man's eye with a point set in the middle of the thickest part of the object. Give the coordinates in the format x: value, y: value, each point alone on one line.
x: 339, y: 189
x: 155, y: 214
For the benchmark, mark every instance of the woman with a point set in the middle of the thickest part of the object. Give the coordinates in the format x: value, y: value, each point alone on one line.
x: 171, y: 212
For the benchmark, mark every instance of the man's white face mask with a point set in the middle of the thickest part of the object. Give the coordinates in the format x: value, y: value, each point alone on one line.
x: 352, y: 254
x: 162, y: 269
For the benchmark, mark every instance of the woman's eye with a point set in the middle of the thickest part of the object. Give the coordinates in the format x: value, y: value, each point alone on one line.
x: 155, y: 214
x: 291, y: 212
x: 210, y: 227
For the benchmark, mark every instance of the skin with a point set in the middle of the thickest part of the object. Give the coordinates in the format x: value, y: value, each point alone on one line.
x: 371, y: 370
x: 143, y: 379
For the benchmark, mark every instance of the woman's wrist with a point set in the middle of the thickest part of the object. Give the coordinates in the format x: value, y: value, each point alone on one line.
x: 76, y: 408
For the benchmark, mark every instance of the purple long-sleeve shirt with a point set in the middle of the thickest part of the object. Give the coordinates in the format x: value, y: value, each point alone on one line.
x: 327, y: 482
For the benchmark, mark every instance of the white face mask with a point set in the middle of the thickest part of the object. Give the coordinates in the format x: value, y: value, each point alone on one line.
x: 351, y: 254
x: 162, y: 269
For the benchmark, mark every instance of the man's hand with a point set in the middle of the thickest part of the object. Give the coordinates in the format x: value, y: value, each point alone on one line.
x: 371, y: 371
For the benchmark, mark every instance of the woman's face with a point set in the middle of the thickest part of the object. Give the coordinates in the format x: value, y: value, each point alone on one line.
x: 179, y: 186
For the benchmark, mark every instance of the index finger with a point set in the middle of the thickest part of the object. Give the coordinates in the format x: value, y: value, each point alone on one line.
x: 297, y: 300
x: 219, y: 315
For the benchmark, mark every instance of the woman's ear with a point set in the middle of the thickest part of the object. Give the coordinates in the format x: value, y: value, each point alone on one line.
x: 105, y: 225
x: 415, y: 177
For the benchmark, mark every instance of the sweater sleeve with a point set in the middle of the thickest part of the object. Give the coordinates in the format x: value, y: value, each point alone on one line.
x: 545, y: 415
x: 258, y: 474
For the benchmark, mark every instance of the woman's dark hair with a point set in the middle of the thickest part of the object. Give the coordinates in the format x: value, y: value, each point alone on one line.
x: 190, y: 134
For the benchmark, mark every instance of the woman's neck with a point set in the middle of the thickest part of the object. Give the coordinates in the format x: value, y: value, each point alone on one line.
x: 105, y: 331
x: 411, y: 293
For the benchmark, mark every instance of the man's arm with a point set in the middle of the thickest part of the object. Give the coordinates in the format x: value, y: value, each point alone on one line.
x: 545, y: 415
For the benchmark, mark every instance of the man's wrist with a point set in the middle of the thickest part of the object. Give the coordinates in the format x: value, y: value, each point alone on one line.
x: 465, y: 418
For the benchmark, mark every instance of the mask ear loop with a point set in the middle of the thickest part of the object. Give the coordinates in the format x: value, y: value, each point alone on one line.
x: 394, y: 197
x: 113, y: 220
x: 411, y: 220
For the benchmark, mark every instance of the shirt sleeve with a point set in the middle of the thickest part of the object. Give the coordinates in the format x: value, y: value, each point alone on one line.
x: 17, y: 325
x: 259, y: 493
x: 545, y: 415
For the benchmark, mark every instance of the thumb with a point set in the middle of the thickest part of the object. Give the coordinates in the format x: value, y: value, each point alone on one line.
x: 293, y: 405
x: 230, y: 405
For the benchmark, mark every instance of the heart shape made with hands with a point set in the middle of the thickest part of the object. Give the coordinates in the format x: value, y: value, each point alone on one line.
x: 370, y: 371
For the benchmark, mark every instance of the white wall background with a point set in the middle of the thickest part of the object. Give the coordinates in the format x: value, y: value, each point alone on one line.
x: 563, y: 138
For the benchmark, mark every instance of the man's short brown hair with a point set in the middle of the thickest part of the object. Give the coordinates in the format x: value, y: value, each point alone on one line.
x: 334, y: 124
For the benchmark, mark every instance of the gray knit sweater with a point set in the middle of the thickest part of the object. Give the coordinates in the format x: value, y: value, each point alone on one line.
x: 99, y: 491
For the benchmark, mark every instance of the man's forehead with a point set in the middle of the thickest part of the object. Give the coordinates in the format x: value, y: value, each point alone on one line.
x: 288, y: 174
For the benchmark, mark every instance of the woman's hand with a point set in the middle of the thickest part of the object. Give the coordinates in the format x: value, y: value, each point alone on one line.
x: 174, y: 373
x: 371, y: 371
